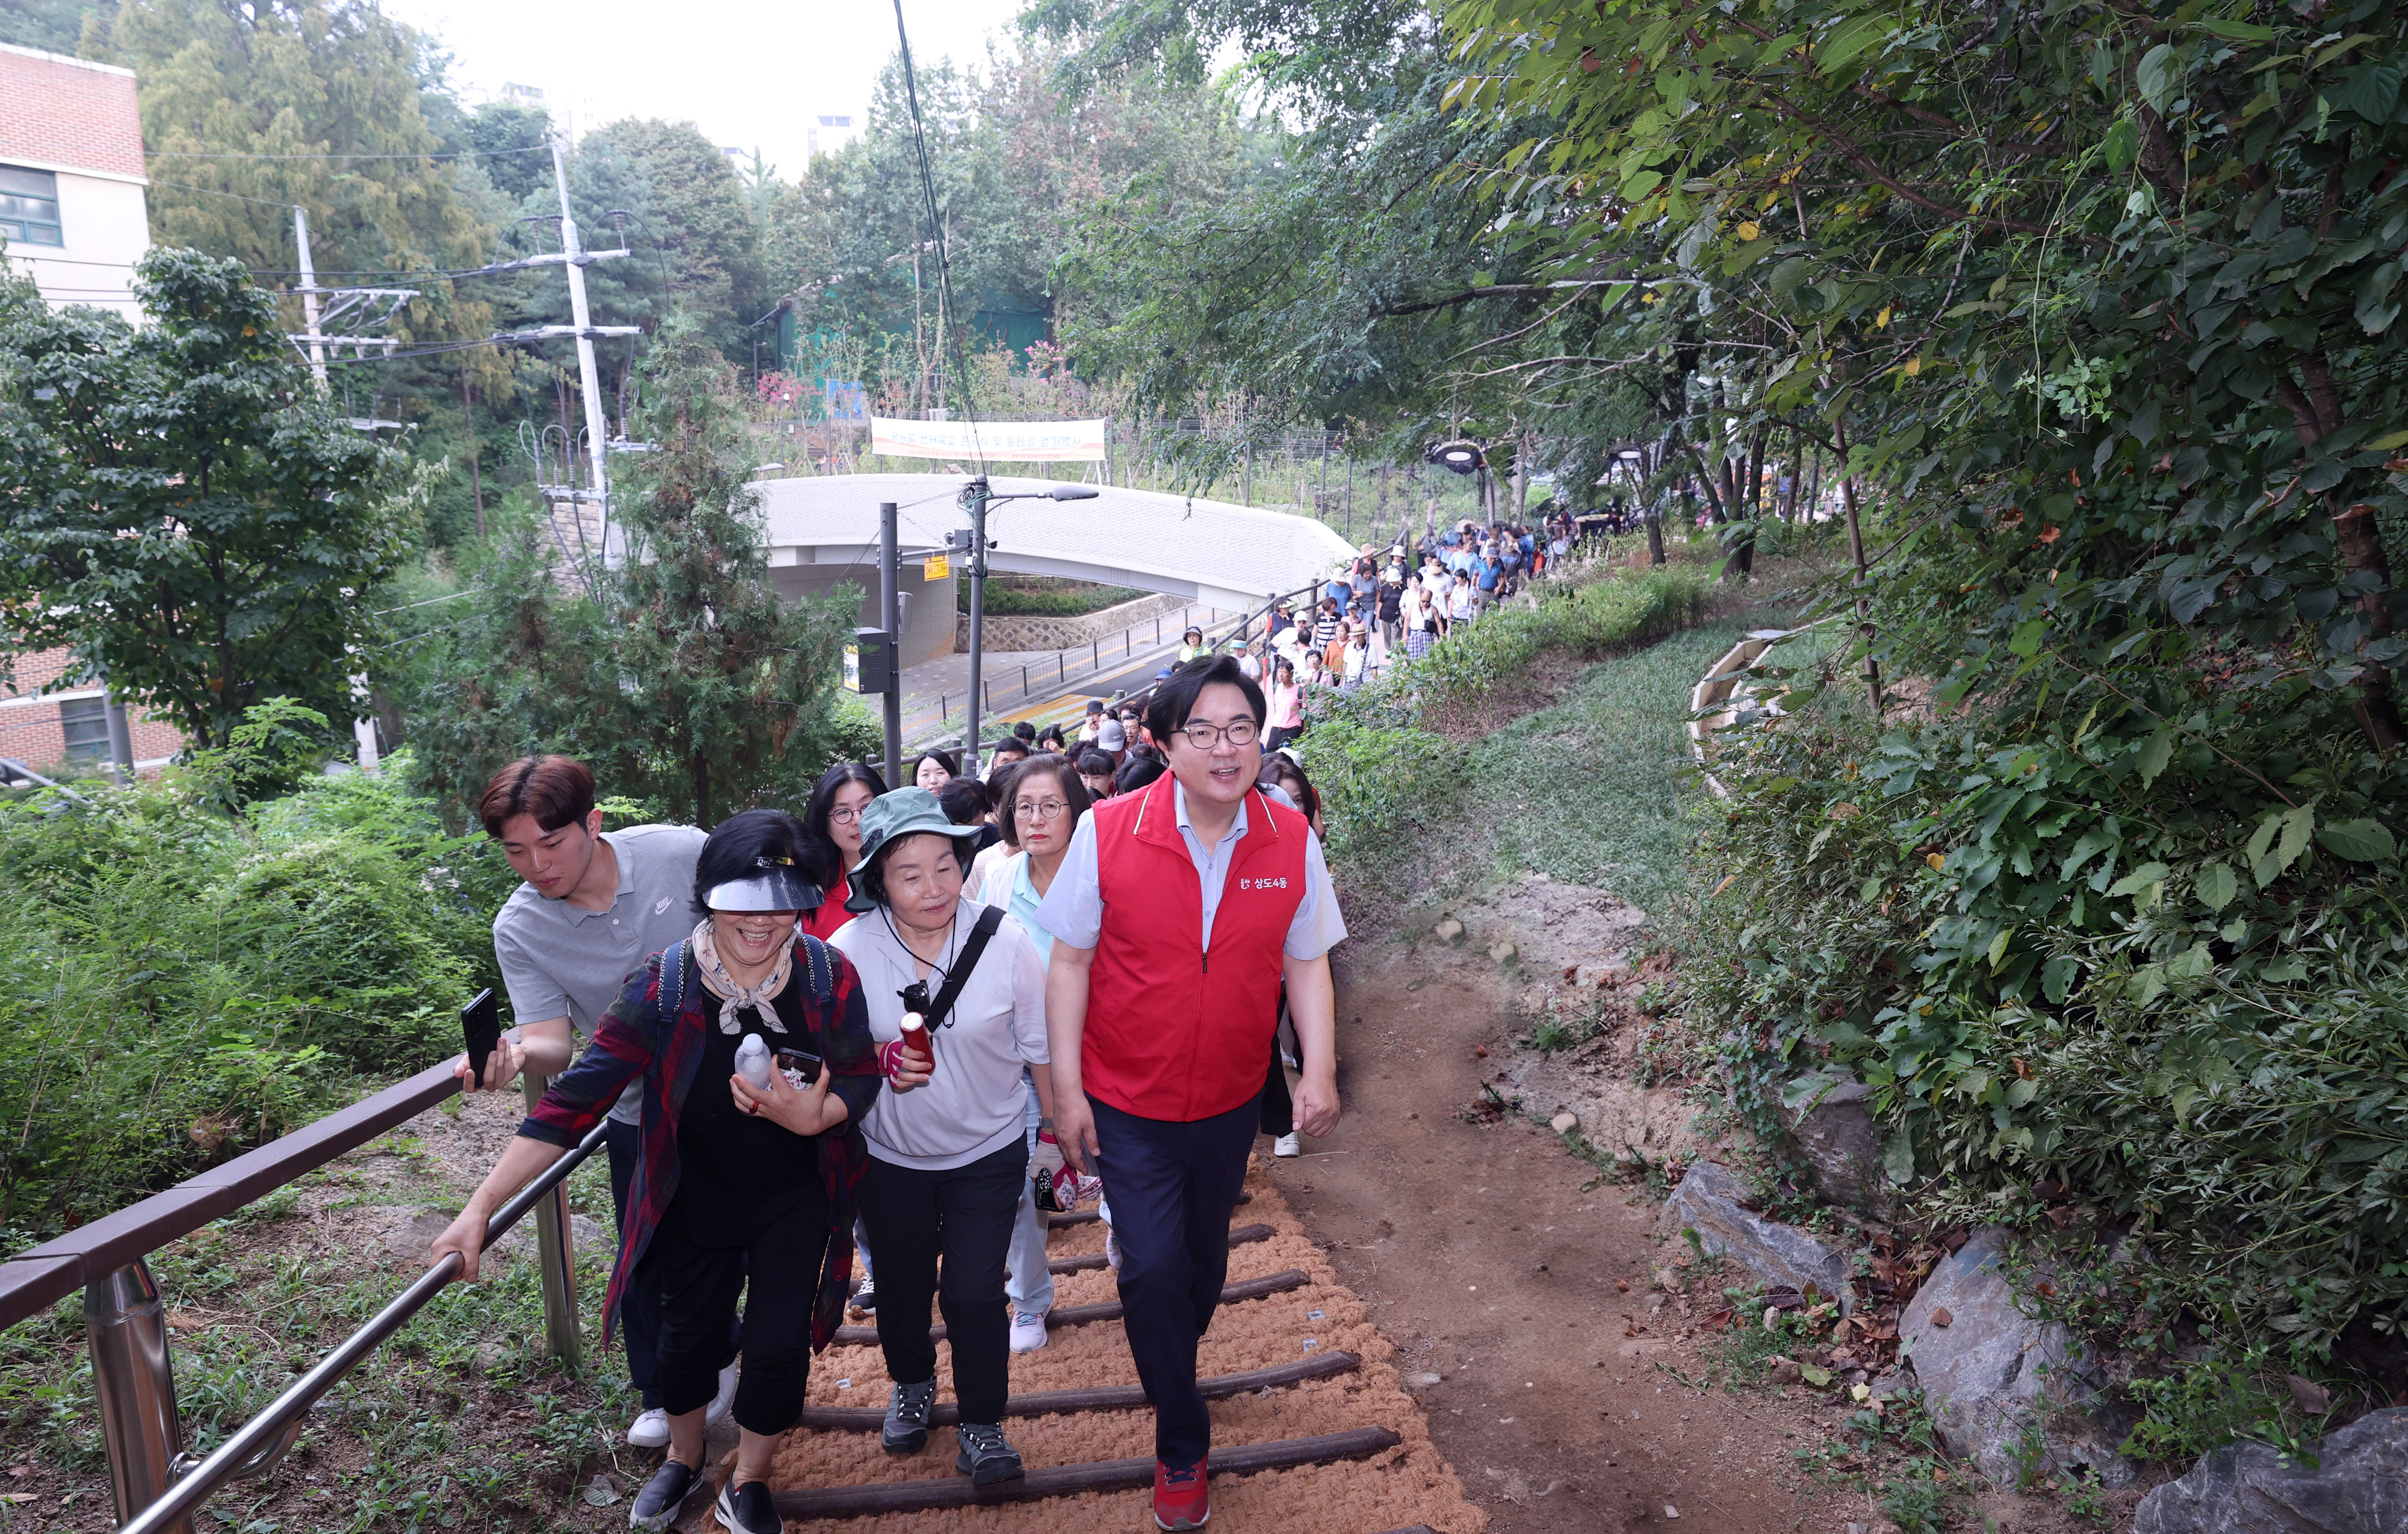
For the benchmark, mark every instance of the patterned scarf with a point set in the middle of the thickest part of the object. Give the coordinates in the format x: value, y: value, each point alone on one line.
x: 733, y: 995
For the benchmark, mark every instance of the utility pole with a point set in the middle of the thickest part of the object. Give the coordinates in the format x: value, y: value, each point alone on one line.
x: 890, y: 618
x: 589, y: 380
x: 309, y: 296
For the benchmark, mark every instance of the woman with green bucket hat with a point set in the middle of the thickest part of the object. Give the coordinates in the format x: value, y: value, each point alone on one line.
x: 945, y: 1173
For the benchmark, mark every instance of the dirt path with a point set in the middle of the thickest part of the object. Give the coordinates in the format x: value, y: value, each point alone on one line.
x: 1491, y: 1257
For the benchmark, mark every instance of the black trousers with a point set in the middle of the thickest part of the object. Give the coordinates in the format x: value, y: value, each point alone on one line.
x: 779, y: 1274
x: 640, y: 1305
x: 1172, y: 1186
x: 1279, y: 1108
x: 965, y: 1215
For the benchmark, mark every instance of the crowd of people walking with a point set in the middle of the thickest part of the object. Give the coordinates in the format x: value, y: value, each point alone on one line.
x: 908, y: 1022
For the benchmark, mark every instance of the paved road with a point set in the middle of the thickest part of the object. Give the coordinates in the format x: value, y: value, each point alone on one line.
x: 1060, y: 682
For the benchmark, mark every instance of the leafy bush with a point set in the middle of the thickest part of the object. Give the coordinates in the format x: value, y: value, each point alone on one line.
x: 1004, y: 600
x: 178, y: 984
x: 2150, y: 954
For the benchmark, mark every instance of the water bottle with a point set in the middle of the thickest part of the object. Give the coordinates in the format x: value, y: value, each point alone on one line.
x: 753, y: 1063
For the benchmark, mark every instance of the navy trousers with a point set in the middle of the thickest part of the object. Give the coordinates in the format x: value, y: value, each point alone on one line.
x: 1171, y: 1187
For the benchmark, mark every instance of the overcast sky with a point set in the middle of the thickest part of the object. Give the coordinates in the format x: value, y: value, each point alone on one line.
x: 748, y: 72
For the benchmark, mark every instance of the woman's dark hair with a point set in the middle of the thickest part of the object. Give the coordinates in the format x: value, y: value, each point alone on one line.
x: 966, y: 801
x: 1280, y: 768
x: 1136, y: 772
x: 1050, y: 738
x: 736, y: 848
x: 821, y: 860
x: 1096, y: 764
x: 1058, y: 767
x: 942, y: 758
x: 1175, y: 700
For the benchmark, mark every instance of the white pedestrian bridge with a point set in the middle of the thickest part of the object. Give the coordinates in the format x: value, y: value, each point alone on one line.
x: 1214, y: 553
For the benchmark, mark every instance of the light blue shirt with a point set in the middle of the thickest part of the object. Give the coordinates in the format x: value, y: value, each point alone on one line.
x: 1009, y: 885
x: 1073, y: 909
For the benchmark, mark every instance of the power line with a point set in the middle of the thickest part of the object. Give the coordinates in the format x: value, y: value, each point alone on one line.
x: 936, y: 236
x: 443, y: 154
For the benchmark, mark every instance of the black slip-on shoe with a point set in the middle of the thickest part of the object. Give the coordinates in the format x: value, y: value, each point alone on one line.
x: 749, y: 1509
x: 657, y: 1505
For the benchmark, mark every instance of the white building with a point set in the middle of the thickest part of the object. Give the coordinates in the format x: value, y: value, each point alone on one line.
x: 72, y: 209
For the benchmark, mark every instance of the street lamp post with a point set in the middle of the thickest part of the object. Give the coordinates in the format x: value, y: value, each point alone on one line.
x: 976, y: 498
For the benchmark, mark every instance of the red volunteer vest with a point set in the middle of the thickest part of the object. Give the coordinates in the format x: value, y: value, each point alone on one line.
x: 1174, y: 1032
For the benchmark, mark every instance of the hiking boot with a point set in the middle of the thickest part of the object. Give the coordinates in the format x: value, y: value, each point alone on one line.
x: 748, y: 1508
x: 986, y: 1455
x: 1180, y: 1498
x: 906, y: 1430
x: 656, y: 1506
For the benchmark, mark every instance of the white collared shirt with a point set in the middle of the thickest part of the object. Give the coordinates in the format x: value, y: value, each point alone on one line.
x: 1073, y: 909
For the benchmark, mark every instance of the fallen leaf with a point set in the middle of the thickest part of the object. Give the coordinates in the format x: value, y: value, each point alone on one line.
x: 1819, y: 1378
x: 1940, y: 1317
x: 2314, y: 1398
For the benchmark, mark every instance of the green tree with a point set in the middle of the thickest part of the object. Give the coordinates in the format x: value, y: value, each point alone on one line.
x: 681, y: 676
x: 55, y: 26
x: 735, y: 685
x: 182, y: 508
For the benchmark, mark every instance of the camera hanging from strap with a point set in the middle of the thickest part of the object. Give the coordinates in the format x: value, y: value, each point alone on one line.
x: 989, y: 921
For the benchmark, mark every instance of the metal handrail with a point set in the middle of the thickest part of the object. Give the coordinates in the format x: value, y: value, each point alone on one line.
x: 260, y: 1443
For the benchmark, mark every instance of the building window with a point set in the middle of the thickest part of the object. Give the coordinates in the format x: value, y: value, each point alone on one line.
x: 84, y: 722
x: 29, y: 207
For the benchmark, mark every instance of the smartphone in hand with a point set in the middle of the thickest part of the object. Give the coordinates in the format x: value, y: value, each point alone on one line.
x: 481, y: 1022
x: 802, y: 1069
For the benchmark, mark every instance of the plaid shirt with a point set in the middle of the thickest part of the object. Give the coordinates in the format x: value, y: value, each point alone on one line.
x: 633, y: 1040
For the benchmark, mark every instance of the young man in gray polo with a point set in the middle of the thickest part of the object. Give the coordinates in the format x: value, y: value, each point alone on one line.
x: 595, y: 906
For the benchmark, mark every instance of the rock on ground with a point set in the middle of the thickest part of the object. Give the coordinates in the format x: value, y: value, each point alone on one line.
x: 1995, y: 1381
x: 2359, y: 1486
x: 1708, y: 1202
x: 1829, y: 1118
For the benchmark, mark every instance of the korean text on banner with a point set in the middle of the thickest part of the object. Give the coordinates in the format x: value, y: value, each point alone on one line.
x: 994, y: 441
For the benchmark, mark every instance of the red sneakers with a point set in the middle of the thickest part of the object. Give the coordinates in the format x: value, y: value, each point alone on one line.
x: 1181, y: 1499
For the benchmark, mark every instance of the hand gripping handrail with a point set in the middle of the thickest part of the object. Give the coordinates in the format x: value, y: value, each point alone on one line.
x: 260, y: 1443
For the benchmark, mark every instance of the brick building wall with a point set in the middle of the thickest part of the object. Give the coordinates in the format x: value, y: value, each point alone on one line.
x: 63, y: 113
x: 50, y: 731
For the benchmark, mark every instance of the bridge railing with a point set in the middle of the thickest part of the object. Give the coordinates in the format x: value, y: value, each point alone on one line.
x: 157, y: 1485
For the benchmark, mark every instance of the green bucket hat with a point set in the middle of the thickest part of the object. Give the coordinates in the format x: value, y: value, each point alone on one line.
x: 904, y: 813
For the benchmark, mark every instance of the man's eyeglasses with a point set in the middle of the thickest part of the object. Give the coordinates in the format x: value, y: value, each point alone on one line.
x: 1047, y: 809
x: 1237, y: 732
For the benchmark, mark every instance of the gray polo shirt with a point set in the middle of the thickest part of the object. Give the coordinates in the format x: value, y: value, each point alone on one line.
x: 559, y: 960
x: 1074, y: 910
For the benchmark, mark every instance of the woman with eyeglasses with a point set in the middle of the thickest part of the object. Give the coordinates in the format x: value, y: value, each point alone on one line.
x: 946, y: 1171
x: 1049, y: 798
x: 832, y: 839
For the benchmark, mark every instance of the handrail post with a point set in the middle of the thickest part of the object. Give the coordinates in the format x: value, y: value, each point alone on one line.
x: 137, y: 1385
x: 556, y: 1258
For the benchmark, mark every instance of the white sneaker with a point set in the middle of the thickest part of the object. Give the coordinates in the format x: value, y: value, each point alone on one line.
x: 725, y: 1398
x: 1111, y: 1249
x: 650, y: 1430
x: 1027, y: 1331
x: 1288, y: 1145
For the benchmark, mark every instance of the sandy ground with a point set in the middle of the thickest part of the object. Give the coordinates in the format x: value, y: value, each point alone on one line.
x: 1410, y: 1483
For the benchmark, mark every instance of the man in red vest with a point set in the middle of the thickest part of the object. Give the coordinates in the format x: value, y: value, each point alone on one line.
x: 1176, y: 915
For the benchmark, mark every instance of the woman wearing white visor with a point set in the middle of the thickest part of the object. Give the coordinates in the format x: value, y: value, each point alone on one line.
x: 745, y: 1185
